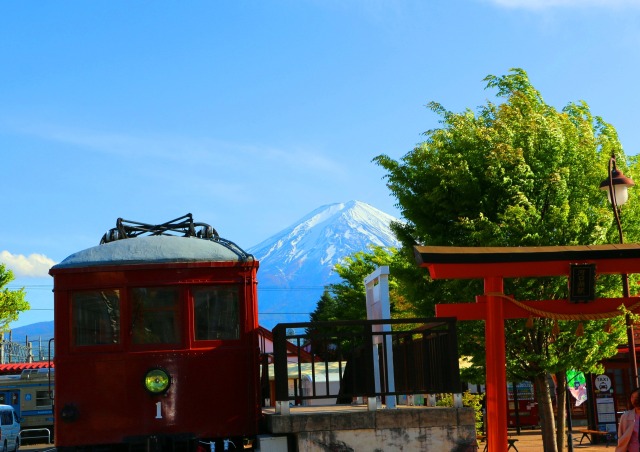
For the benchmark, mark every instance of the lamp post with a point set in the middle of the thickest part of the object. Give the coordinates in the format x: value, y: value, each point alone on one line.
x: 616, y: 186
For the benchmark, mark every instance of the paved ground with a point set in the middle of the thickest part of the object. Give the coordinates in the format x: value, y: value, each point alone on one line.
x: 531, y: 441
x: 38, y: 447
x: 527, y: 441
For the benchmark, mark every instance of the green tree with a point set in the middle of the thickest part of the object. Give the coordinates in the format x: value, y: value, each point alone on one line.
x: 347, y: 299
x: 516, y: 173
x: 325, y: 309
x: 12, y: 302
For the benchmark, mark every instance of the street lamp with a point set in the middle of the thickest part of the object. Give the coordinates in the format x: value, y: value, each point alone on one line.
x: 616, y: 186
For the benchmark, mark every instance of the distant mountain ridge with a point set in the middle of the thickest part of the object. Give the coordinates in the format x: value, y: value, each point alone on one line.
x: 33, y: 331
x: 297, y: 262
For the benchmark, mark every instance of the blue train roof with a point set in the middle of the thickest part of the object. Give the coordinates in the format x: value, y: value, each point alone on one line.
x: 156, y: 249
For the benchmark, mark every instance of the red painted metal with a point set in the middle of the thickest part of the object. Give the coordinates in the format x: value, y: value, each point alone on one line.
x: 482, y: 262
x: 214, y: 392
x: 496, y: 365
x: 494, y: 264
x: 17, y: 368
x: 477, y: 311
x: 515, y: 270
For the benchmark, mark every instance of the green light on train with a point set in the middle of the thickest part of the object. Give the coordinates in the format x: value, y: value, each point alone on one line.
x: 157, y: 381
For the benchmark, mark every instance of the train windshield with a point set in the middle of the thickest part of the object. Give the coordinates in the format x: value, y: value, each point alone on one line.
x: 96, y: 317
x: 216, y: 313
x: 155, y: 315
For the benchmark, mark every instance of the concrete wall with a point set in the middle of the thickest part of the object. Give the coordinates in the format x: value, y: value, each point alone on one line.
x: 404, y: 429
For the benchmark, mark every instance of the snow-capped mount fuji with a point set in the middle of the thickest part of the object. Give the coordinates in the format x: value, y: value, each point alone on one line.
x: 296, y: 263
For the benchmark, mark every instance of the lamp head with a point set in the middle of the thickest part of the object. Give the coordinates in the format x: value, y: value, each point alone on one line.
x: 620, y: 184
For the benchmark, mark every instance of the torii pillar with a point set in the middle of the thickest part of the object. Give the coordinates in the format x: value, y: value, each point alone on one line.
x: 493, y: 265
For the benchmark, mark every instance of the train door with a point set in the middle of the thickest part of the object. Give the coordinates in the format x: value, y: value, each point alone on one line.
x: 11, y: 397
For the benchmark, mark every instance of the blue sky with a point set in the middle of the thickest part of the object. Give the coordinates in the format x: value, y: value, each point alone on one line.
x: 250, y: 114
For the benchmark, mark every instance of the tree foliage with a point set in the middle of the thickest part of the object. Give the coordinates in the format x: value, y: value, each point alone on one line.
x: 518, y: 172
x: 347, y: 299
x: 12, y: 302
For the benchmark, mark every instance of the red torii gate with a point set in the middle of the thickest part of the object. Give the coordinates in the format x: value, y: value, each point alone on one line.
x: 495, y: 264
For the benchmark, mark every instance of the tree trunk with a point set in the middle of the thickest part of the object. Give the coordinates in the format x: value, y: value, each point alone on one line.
x: 545, y: 409
x: 561, y: 402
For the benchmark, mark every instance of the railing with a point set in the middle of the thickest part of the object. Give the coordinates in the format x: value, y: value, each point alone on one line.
x: 16, y: 352
x: 35, y: 433
x: 351, y: 359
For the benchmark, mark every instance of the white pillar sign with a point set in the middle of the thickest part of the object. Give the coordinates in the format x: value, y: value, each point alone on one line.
x: 378, y: 308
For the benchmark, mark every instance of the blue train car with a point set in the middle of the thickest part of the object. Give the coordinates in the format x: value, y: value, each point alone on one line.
x: 31, y: 395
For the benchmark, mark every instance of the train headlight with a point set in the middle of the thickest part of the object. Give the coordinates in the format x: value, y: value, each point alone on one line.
x: 157, y: 381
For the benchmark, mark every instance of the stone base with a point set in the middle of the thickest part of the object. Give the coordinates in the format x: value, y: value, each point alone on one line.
x: 406, y: 428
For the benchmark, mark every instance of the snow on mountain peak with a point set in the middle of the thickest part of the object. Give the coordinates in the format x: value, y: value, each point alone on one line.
x: 297, y: 263
x: 326, y: 231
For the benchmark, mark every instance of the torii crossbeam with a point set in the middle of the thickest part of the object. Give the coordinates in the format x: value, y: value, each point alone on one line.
x: 495, y: 264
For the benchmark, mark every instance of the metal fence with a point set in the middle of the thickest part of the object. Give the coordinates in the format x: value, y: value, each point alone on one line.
x: 368, y: 358
x: 29, y: 351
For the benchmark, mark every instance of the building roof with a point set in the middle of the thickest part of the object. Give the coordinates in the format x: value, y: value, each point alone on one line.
x: 445, y: 262
x: 293, y: 351
x: 17, y: 368
x: 323, y: 371
x: 154, y: 249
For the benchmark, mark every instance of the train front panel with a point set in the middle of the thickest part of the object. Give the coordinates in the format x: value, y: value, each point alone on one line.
x: 163, y: 355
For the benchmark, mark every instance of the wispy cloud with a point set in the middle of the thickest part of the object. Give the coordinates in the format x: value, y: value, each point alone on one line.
x: 32, y: 266
x: 548, y: 4
x: 199, y: 151
x: 295, y: 159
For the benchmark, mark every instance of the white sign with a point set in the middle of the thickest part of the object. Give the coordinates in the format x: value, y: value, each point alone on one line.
x: 377, y: 299
x: 379, y: 308
x: 606, y: 410
x: 603, y: 383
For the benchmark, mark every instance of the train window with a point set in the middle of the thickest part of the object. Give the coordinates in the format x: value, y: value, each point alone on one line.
x: 216, y: 313
x: 155, y: 316
x: 43, y: 399
x: 96, y: 317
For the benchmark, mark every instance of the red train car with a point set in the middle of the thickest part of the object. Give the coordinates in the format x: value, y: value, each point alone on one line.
x: 156, y: 341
